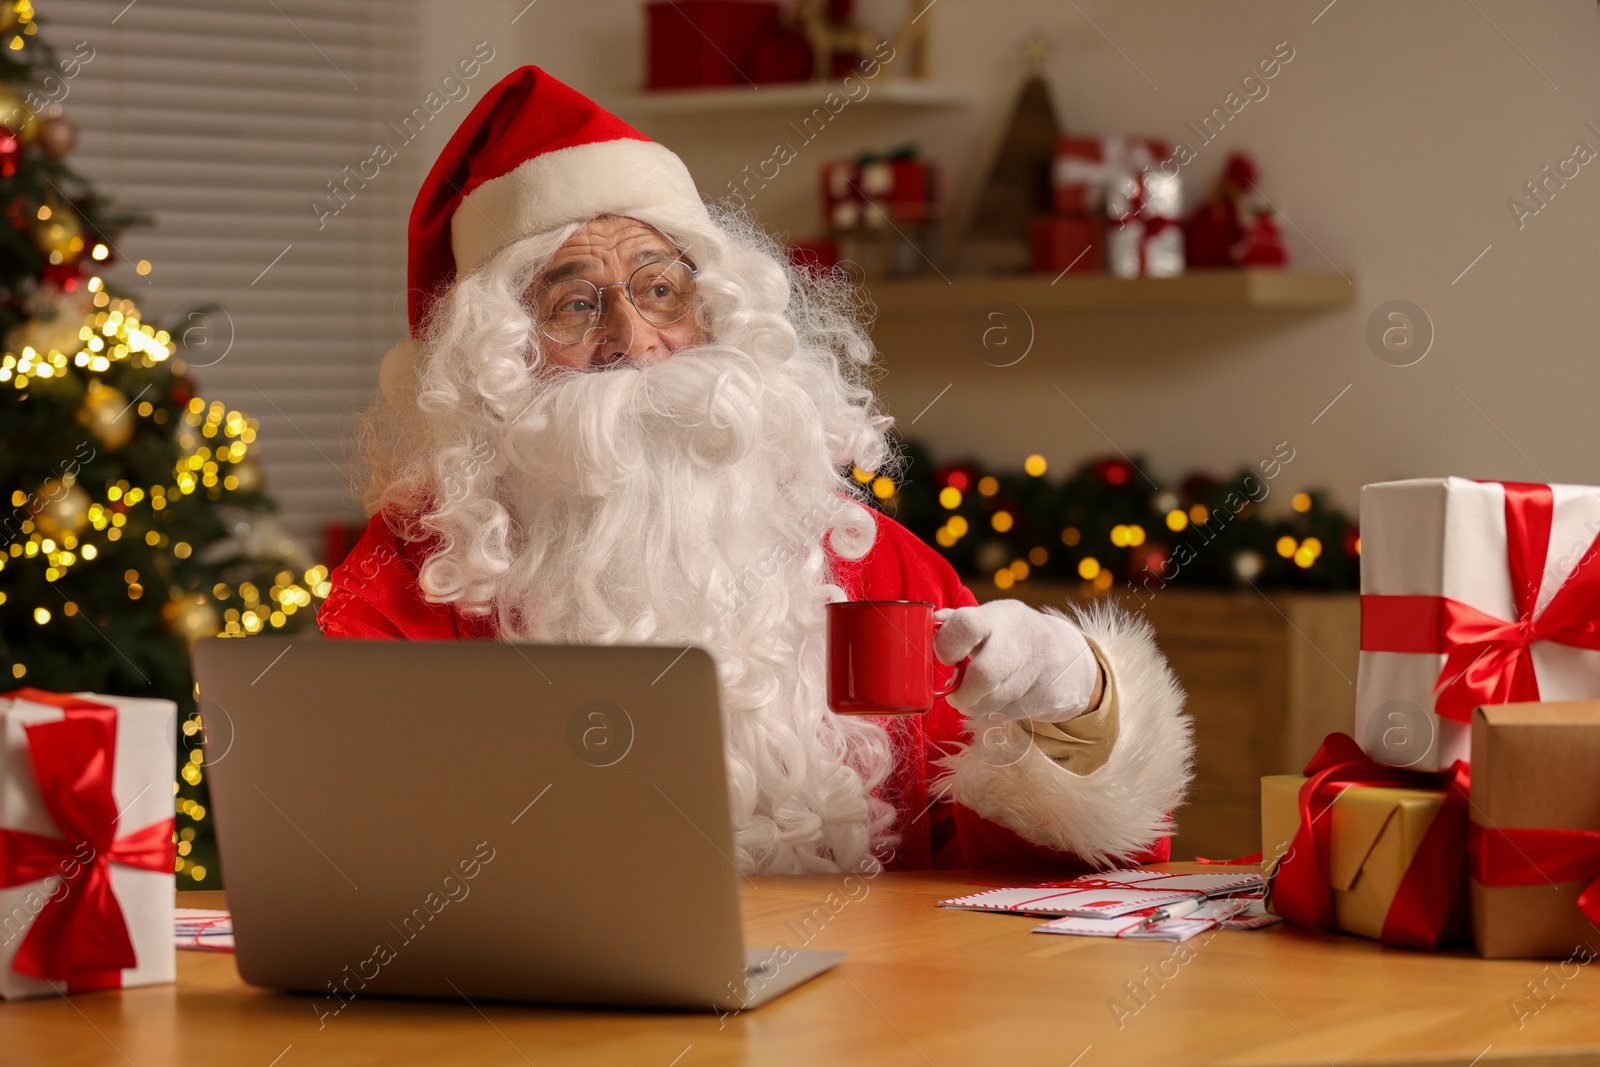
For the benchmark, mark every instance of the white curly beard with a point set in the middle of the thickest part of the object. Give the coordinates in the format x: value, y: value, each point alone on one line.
x: 687, y: 502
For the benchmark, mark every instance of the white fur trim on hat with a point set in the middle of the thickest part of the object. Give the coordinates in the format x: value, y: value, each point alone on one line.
x: 1121, y: 808
x: 571, y: 185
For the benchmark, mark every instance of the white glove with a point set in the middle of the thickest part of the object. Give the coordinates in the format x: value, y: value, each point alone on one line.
x: 1025, y: 664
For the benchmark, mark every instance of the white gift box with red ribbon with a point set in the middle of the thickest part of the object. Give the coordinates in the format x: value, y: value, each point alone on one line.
x: 1471, y: 593
x: 1121, y: 176
x: 86, y: 849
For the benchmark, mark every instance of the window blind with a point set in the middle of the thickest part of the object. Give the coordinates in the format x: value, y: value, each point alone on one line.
x: 228, y: 124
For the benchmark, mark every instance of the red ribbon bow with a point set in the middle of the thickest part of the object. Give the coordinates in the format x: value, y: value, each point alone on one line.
x: 1301, y: 891
x: 1537, y: 857
x: 1488, y: 660
x: 81, y: 934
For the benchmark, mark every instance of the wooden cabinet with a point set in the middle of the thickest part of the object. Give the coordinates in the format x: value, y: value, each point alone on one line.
x: 1267, y: 678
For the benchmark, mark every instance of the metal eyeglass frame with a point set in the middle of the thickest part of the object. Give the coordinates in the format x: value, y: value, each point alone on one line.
x: 627, y: 287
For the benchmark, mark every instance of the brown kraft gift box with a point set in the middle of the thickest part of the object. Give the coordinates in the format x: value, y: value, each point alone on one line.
x: 1534, y: 766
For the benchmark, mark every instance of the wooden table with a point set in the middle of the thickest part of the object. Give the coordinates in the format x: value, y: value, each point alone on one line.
x: 923, y: 986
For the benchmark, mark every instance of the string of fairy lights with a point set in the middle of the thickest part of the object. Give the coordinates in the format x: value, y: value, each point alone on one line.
x: 17, y: 21
x: 68, y: 528
x: 955, y: 483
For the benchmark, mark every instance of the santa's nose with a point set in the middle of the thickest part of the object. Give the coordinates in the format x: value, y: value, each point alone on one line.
x: 621, y: 335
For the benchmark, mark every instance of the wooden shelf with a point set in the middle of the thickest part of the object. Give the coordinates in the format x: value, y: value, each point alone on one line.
x: 887, y: 92
x: 1207, y: 290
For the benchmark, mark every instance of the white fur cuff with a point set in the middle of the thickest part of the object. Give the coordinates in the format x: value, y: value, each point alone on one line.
x: 1120, y: 809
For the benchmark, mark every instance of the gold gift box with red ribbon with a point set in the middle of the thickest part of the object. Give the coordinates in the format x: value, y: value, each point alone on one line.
x: 1370, y: 850
x: 1534, y: 841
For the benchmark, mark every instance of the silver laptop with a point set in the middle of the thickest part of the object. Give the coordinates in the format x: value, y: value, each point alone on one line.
x: 476, y: 820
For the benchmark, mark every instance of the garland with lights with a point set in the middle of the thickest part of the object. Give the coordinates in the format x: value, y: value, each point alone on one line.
x: 132, y: 517
x: 1105, y: 528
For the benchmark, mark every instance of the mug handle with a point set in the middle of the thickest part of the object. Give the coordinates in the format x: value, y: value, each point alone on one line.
x: 955, y: 679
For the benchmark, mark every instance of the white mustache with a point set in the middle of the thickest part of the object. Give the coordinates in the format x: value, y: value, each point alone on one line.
x: 592, y: 430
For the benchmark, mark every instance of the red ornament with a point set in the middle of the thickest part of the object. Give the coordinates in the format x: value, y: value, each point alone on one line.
x: 1150, y: 557
x: 66, y: 276
x: 10, y: 151
x: 1114, y: 471
x: 181, y: 394
x: 961, y: 476
x: 1352, y: 541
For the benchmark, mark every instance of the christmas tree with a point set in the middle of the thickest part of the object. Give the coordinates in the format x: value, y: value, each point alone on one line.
x: 134, y: 521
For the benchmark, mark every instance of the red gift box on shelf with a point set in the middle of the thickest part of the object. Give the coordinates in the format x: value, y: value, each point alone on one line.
x: 1078, y: 177
x: 695, y: 43
x: 1535, y: 836
x: 1069, y: 245
x: 1114, y: 176
x: 1472, y: 593
x: 86, y: 849
x: 870, y: 191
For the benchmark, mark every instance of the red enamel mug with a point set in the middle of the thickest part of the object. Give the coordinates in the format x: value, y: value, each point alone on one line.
x: 880, y: 658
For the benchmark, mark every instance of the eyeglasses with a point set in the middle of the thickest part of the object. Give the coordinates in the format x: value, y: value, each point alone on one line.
x: 568, y: 311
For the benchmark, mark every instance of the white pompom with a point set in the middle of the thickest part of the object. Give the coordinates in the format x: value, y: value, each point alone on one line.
x: 852, y: 537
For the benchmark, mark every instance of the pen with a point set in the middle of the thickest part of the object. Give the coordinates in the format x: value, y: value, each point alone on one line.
x: 1172, y: 911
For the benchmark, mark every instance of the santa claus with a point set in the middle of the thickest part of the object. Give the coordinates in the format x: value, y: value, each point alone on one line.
x: 625, y: 419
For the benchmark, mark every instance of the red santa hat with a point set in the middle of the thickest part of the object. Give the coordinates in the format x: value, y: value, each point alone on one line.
x: 533, y: 155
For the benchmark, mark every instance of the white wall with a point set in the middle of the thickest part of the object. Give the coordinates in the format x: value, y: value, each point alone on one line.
x: 1392, y: 140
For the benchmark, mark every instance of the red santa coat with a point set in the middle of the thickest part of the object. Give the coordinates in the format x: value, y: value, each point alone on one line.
x: 955, y: 810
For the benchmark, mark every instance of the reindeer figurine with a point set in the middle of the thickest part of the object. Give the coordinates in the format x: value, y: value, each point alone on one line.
x: 829, y: 37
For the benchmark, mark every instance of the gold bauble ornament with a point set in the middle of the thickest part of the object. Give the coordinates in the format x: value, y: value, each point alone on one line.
x: 105, y: 414
x: 192, y: 617
x: 59, y: 507
x: 248, y: 471
x: 60, y: 234
x: 58, y: 136
x: 15, y: 112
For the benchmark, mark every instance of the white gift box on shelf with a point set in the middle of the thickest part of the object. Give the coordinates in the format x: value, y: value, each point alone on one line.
x: 86, y: 852
x: 1471, y: 593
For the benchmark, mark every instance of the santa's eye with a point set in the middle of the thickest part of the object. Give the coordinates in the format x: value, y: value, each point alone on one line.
x: 567, y: 301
